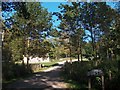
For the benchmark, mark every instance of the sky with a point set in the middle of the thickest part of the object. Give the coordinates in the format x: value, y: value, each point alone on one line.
x: 53, y: 7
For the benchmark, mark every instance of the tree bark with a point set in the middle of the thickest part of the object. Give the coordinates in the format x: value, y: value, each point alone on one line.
x: 107, y: 54
x: 81, y: 52
x: 103, y: 86
x: 70, y: 56
x: 78, y: 57
x: 78, y: 50
x: 89, y: 83
x: 27, y: 62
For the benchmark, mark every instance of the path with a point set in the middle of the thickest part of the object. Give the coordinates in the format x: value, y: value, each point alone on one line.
x: 46, y: 80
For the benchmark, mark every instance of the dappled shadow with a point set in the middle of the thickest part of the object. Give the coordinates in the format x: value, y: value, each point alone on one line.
x: 41, y: 80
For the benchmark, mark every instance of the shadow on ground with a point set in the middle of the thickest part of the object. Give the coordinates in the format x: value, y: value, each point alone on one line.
x: 50, y: 80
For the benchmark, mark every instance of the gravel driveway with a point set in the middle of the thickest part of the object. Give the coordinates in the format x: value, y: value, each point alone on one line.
x: 47, y: 80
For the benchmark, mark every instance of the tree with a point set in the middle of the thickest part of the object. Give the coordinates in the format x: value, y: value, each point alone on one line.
x: 34, y: 27
x: 99, y: 24
x: 20, y: 7
x: 71, y: 26
x: 109, y: 32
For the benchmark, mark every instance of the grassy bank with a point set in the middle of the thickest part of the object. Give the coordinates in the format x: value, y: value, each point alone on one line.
x: 72, y: 84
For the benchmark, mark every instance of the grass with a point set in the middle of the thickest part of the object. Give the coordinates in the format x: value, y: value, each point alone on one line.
x: 40, y: 70
x: 6, y: 82
x: 46, y: 66
x: 52, y: 62
x: 10, y: 81
x: 73, y: 84
x: 49, y: 64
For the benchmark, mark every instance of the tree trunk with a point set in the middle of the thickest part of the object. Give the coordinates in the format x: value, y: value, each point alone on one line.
x: 23, y: 63
x: 66, y: 55
x: 81, y: 52
x: 78, y: 57
x: 111, y: 56
x: 27, y: 62
x: 110, y: 75
x: 107, y: 54
x: 89, y: 83
x: 78, y: 48
x: 103, y: 86
x: 92, y: 38
x: 70, y: 56
x: 56, y: 57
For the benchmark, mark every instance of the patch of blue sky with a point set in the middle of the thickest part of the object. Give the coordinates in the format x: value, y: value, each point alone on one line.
x: 112, y: 4
x: 53, y: 0
x: 53, y: 7
x: 7, y: 15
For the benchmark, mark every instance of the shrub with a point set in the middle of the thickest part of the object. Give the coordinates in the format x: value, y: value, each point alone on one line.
x: 77, y: 71
x: 11, y: 70
x: 106, y: 66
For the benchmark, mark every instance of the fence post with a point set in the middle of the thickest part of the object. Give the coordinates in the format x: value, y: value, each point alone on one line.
x: 89, y: 83
x: 103, y: 87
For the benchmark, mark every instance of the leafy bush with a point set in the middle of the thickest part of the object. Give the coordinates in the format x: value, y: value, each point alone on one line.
x: 7, y: 73
x: 11, y: 70
x: 21, y: 70
x: 110, y: 66
x: 107, y: 66
x: 114, y: 83
x: 77, y: 71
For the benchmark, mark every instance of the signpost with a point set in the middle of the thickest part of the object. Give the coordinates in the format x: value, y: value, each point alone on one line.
x: 95, y: 73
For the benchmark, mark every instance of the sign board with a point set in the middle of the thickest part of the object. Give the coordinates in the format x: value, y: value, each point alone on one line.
x: 95, y: 72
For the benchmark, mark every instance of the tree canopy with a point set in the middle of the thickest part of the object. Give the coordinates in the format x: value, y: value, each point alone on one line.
x: 85, y: 32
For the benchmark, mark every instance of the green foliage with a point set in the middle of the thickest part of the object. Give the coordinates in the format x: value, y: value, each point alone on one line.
x: 54, y: 33
x: 114, y: 83
x: 112, y: 66
x: 57, y: 50
x: 16, y: 47
x: 31, y: 24
x: 77, y: 71
x: 11, y: 70
x: 6, y: 54
x: 107, y: 66
x: 25, y: 35
x: 33, y: 30
x: 72, y: 32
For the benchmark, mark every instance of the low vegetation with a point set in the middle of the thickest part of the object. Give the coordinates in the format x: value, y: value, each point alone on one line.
x: 76, y: 74
x: 84, y: 31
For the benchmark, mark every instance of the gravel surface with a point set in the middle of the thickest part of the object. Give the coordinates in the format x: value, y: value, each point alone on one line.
x: 47, y: 80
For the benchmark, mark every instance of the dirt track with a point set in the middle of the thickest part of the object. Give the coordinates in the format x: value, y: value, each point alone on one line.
x: 46, y: 80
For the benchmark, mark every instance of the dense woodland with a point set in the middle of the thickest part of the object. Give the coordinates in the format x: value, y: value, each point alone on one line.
x: 86, y: 30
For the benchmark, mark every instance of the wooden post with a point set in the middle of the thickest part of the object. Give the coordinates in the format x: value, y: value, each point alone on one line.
x: 70, y: 56
x: 89, y: 83
x: 103, y: 87
x: 110, y: 76
x: 28, y: 42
